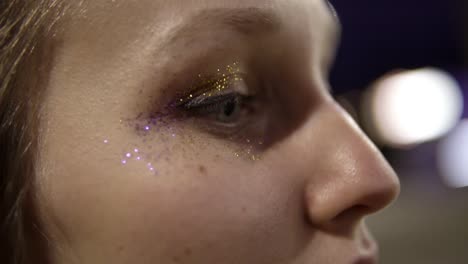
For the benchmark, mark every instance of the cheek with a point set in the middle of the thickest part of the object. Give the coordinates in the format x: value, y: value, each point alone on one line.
x: 205, y: 204
x: 213, y: 215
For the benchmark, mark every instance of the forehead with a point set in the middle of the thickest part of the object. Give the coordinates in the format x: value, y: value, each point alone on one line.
x: 144, y: 23
x: 151, y: 14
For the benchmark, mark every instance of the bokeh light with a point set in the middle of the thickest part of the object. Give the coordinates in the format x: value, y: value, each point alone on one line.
x: 413, y: 107
x: 453, y: 157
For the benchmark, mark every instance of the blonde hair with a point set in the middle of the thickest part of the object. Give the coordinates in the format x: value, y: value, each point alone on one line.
x: 25, y: 27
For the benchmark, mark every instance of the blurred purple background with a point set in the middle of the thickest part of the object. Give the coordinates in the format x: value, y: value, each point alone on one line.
x: 379, y: 36
x: 429, y: 223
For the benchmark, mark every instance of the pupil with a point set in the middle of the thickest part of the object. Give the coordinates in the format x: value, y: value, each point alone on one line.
x: 229, y: 108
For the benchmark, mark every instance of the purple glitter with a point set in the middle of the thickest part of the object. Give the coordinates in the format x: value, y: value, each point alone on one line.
x: 138, y: 158
x: 128, y: 155
x: 124, y: 162
x: 106, y: 141
x: 147, y: 128
x: 136, y: 150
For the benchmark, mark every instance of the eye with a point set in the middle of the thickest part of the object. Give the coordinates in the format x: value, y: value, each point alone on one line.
x: 226, y: 109
x: 226, y: 103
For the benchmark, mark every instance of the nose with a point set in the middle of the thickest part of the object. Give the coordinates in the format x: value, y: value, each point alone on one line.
x: 346, y: 177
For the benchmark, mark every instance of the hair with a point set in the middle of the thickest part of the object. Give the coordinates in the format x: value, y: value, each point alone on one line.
x: 25, y: 27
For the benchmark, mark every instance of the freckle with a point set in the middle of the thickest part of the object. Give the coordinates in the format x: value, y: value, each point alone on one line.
x: 120, y: 248
x: 202, y: 169
x: 188, y: 252
x: 176, y: 259
x: 244, y: 209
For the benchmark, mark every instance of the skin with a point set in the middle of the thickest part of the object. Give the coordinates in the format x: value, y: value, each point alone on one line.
x: 303, y: 199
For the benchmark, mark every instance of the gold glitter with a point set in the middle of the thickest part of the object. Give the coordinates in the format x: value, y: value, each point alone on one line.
x: 217, y: 83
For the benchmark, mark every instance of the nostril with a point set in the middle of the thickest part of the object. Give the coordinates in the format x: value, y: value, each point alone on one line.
x: 355, y: 212
x: 346, y: 222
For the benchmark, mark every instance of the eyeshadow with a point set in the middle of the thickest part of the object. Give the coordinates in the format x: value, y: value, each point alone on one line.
x: 207, y: 86
x: 159, y: 133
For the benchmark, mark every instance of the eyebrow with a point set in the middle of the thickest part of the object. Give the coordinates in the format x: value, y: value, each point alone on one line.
x: 245, y: 21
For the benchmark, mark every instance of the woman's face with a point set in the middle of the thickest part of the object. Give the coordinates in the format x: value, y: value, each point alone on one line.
x: 201, y: 132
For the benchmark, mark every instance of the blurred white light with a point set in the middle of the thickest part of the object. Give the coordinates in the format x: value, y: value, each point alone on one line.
x: 453, y: 157
x: 415, y: 106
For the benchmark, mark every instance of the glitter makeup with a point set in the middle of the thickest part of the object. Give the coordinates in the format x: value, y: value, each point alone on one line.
x: 209, y: 86
x: 216, y: 95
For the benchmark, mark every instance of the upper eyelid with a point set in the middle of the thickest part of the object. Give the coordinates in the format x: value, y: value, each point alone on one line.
x: 216, y: 83
x: 198, y: 101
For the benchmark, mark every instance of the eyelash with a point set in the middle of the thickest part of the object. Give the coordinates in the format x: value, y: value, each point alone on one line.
x: 225, y: 112
x: 221, y: 104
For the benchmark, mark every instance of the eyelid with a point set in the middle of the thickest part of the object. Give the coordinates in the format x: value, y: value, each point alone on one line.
x: 214, y: 86
x: 207, y: 100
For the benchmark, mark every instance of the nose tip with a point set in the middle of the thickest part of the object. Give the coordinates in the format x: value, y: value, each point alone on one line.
x: 353, y: 178
x: 340, y: 209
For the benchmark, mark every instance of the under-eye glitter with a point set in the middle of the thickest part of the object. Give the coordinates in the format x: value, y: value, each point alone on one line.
x: 128, y: 155
x: 124, y: 162
x: 147, y: 128
x: 136, y: 150
x: 138, y: 158
x: 106, y: 141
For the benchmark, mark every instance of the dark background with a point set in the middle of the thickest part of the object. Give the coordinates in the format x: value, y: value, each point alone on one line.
x: 429, y: 222
x: 383, y: 35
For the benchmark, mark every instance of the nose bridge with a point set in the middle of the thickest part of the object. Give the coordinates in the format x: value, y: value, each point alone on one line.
x: 348, y: 175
